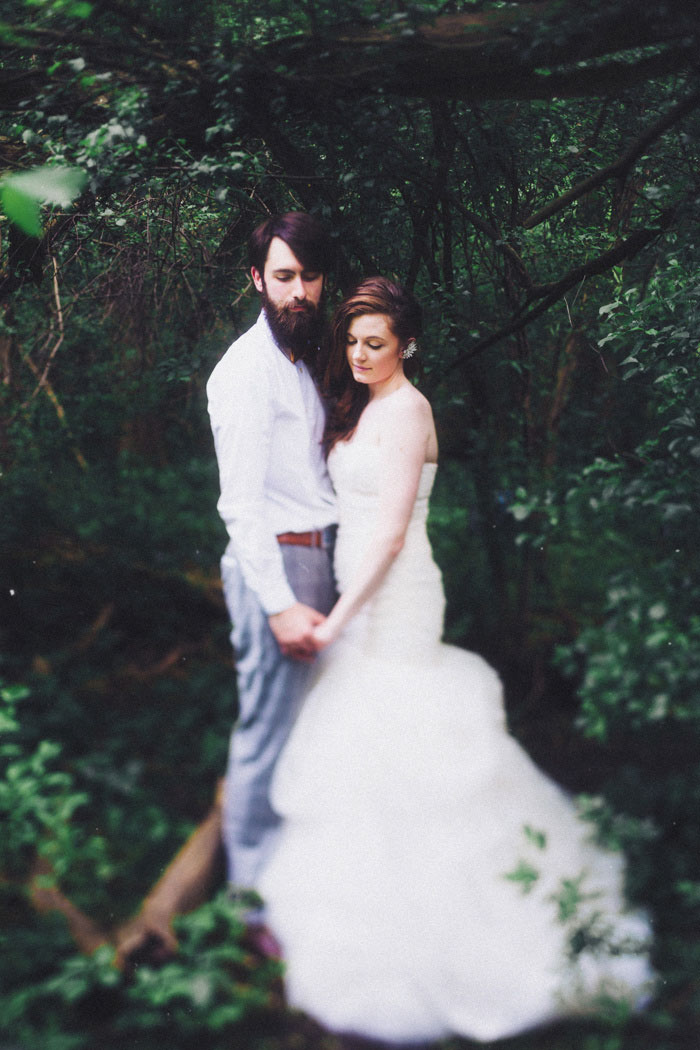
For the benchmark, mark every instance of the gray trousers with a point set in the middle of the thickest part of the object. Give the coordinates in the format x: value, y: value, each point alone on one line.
x: 270, y: 690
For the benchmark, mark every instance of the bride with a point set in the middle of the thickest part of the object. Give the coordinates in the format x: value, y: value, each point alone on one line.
x: 429, y: 879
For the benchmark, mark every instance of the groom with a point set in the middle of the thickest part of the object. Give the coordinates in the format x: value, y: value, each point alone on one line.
x: 278, y: 507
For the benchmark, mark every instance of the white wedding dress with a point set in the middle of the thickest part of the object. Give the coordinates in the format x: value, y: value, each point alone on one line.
x: 427, y: 875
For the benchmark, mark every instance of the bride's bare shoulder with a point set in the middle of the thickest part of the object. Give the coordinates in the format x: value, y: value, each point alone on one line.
x: 407, y: 417
x: 408, y: 399
x: 408, y: 404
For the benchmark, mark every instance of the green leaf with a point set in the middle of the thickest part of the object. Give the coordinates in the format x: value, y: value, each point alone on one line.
x: 23, y: 210
x: 12, y: 693
x: 537, y: 838
x: 23, y: 194
x: 524, y: 874
x: 51, y: 185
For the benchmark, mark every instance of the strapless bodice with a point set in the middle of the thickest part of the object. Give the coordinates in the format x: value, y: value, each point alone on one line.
x: 413, y: 583
x: 356, y: 469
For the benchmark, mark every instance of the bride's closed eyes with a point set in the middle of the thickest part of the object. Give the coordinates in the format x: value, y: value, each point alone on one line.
x: 373, y: 352
x: 351, y: 341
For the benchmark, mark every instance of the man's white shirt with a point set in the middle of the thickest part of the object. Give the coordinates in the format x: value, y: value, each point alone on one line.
x: 267, y: 419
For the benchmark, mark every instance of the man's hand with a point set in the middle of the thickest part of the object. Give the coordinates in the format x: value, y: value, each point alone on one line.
x: 293, y: 630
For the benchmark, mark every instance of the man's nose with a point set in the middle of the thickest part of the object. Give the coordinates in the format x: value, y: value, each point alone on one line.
x: 299, y: 288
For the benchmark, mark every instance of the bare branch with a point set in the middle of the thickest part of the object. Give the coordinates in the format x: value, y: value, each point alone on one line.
x: 551, y: 293
x: 186, y: 883
x: 59, y: 319
x: 621, y: 166
x: 47, y: 897
x: 46, y: 387
x: 444, y: 140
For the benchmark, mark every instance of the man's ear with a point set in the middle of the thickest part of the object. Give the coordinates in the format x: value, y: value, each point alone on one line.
x: 257, y: 278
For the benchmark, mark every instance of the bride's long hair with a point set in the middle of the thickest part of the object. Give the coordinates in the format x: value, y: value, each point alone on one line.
x: 346, y: 399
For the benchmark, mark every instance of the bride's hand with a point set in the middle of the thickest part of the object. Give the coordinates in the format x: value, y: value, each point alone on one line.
x: 322, y: 636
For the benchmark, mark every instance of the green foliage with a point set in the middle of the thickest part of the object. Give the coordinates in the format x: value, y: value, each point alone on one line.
x: 212, y: 988
x: 117, y: 623
x: 647, y: 671
x: 70, y: 8
x: 22, y: 194
x: 38, y: 801
x: 642, y: 662
x: 525, y: 875
x: 627, y: 526
x: 225, y: 986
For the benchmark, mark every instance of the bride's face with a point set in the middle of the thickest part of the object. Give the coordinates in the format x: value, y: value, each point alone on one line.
x: 373, y: 350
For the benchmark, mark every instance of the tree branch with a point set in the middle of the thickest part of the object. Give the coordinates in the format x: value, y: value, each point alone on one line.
x: 621, y: 166
x: 45, y: 385
x: 444, y: 140
x: 551, y: 293
x: 532, y: 50
x: 147, y: 937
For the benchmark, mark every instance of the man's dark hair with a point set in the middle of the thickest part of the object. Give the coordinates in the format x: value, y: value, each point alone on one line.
x: 303, y: 233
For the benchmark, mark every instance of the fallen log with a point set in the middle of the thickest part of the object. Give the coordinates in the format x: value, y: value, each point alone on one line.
x: 148, y: 936
x: 46, y: 897
x: 184, y: 885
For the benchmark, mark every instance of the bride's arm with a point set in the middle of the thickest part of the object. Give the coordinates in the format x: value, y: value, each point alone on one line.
x: 405, y: 433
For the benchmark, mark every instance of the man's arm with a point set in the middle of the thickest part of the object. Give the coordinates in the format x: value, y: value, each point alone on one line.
x: 241, y: 418
x: 241, y: 413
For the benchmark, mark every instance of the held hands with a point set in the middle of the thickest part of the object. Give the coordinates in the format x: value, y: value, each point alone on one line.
x: 295, y: 631
x: 323, y: 635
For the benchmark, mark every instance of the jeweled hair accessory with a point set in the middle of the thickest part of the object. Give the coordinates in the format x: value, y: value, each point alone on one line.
x: 410, y: 349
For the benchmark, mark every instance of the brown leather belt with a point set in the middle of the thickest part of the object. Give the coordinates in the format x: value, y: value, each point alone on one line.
x: 302, y: 539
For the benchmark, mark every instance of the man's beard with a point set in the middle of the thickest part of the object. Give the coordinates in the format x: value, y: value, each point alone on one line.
x: 296, y: 330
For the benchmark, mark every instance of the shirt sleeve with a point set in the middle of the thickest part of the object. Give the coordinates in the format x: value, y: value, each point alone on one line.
x: 241, y: 414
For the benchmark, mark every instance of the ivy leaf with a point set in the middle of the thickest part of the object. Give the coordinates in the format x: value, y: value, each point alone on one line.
x: 22, y: 194
x: 524, y: 875
x: 21, y: 209
x: 537, y: 838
